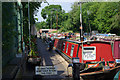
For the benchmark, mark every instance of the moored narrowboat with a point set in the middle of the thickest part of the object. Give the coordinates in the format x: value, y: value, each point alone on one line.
x: 116, y: 50
x: 115, y: 44
x: 96, y: 56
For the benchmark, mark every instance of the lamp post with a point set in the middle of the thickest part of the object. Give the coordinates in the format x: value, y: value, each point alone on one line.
x: 81, y: 27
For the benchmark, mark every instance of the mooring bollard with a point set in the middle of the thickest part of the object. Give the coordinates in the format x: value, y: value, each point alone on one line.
x: 76, y: 68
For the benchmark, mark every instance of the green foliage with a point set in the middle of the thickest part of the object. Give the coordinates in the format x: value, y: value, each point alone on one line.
x: 32, y: 53
x: 103, y: 17
x: 115, y: 26
x: 33, y: 6
x: 41, y: 25
x: 54, y: 15
x: 70, y: 31
x: 19, y: 51
x: 36, y: 19
x: 54, y: 31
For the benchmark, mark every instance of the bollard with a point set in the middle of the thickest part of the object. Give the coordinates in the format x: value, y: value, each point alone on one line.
x: 76, y: 71
x: 76, y: 68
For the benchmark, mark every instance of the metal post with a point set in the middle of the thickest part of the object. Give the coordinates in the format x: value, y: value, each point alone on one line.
x: 76, y: 68
x: 29, y: 25
x: 81, y: 21
x: 76, y: 71
x: 1, y: 40
x: 81, y: 28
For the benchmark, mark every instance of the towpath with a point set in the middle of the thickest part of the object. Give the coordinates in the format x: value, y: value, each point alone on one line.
x: 49, y: 58
x: 52, y: 58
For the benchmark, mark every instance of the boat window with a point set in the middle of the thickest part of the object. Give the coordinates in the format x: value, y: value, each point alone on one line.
x: 72, y: 49
x: 63, y: 46
x: 67, y: 48
x: 89, y: 53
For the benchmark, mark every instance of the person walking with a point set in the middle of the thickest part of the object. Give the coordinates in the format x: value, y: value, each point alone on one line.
x: 50, y: 45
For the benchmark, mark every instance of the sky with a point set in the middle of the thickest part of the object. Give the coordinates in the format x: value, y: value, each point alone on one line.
x: 65, y: 6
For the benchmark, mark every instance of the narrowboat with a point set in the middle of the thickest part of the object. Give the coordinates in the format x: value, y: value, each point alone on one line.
x: 96, y: 56
x: 116, y: 50
x: 115, y: 44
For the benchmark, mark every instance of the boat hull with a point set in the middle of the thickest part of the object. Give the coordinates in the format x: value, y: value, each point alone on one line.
x: 101, y: 75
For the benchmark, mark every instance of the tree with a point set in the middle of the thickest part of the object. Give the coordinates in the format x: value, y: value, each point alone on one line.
x: 33, y: 6
x: 53, y: 15
x: 115, y: 26
x: 41, y: 25
x: 103, y: 17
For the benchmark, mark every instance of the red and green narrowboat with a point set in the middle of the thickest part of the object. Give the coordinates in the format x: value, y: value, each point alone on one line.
x: 96, y: 56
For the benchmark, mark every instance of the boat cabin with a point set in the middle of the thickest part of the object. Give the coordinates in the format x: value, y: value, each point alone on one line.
x: 89, y: 52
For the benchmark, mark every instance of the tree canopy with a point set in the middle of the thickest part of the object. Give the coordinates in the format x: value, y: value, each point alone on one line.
x: 33, y: 6
x: 54, y: 15
x: 101, y: 16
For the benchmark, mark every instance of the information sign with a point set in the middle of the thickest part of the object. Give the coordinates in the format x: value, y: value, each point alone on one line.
x: 45, y: 70
x: 89, y: 53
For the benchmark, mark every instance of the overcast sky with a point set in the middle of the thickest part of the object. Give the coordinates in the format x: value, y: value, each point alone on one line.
x: 65, y: 6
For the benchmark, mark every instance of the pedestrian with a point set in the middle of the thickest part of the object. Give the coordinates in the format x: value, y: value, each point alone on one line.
x: 69, y: 35
x: 50, y: 45
x: 65, y: 36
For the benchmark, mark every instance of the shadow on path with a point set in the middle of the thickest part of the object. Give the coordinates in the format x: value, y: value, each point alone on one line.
x: 49, y: 58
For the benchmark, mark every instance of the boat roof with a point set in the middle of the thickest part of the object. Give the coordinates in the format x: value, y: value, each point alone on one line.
x: 84, y: 42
